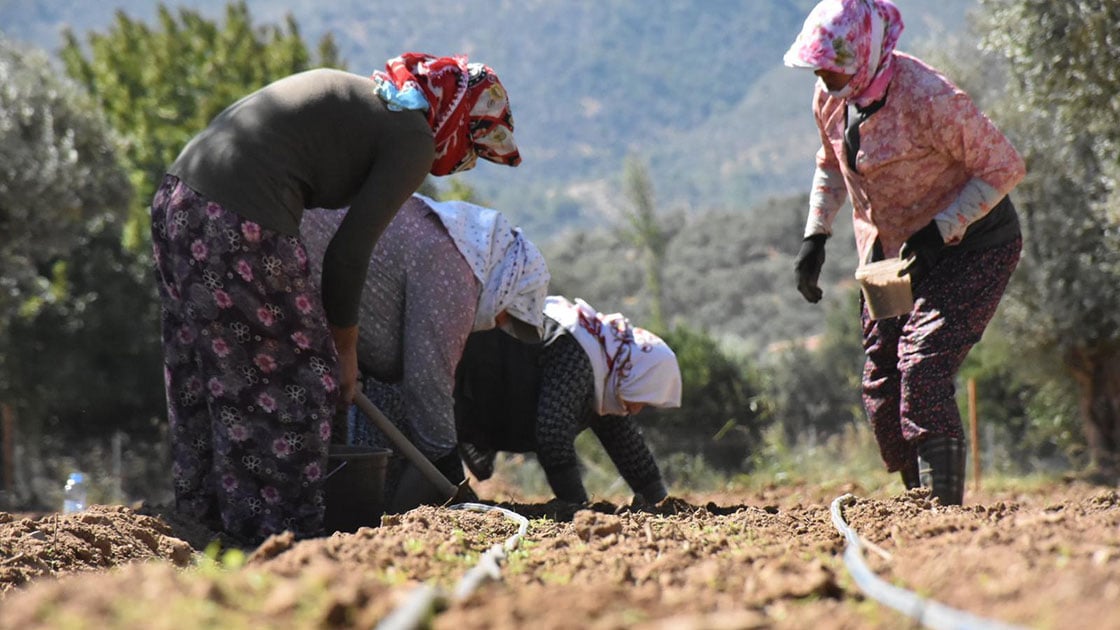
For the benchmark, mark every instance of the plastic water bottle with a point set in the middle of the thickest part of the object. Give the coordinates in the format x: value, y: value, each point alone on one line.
x: 74, y: 495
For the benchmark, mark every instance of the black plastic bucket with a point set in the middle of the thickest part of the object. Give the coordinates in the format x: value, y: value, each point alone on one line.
x: 355, y: 487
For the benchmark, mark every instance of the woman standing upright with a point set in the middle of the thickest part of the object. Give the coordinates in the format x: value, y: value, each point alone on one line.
x: 256, y: 361
x: 928, y: 176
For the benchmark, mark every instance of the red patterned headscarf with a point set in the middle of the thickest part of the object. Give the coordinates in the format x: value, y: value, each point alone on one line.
x: 468, y: 109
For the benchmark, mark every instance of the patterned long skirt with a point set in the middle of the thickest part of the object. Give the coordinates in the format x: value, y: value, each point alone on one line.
x: 250, y: 369
x: 909, y: 389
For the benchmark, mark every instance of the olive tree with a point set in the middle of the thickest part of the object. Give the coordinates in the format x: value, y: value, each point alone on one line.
x: 1064, y: 113
x: 58, y: 173
x: 61, y: 183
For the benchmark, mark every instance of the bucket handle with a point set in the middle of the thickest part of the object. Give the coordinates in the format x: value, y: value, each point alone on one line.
x: 340, y: 467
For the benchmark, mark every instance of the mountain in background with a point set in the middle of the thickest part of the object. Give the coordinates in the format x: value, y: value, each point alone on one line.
x: 696, y: 89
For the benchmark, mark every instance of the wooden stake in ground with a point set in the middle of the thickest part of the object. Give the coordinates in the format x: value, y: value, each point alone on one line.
x: 7, y: 441
x: 975, y: 434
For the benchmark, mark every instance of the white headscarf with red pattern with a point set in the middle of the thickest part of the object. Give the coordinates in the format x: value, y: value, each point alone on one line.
x: 631, y: 364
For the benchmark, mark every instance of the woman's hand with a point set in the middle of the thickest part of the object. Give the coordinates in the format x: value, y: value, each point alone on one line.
x: 346, y: 342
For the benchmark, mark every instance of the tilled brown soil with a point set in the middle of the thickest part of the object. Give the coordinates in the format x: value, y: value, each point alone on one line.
x: 771, y: 558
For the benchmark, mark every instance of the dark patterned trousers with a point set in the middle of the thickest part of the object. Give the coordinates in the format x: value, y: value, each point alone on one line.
x: 909, y: 388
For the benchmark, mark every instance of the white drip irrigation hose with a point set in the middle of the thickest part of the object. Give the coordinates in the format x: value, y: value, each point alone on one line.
x: 489, y: 565
x: 925, y: 611
x: 425, y: 600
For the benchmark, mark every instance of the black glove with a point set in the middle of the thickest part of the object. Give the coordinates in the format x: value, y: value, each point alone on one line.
x: 808, y: 267
x: 924, y: 249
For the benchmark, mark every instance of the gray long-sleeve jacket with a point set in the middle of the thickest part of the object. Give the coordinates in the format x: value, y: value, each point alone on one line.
x: 316, y: 139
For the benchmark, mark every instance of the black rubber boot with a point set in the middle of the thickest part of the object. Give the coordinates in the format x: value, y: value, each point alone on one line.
x: 945, y: 457
x: 567, y: 484
x: 412, y: 491
x: 452, y: 467
x: 652, y: 492
x: 910, y: 477
x: 480, y: 461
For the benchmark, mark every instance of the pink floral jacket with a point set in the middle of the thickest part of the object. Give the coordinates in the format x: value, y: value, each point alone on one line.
x: 928, y: 154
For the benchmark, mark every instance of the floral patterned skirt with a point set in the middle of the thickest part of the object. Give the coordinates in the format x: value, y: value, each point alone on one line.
x: 909, y: 377
x: 250, y: 368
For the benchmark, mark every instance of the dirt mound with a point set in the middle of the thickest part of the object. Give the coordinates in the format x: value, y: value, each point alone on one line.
x: 766, y: 558
x: 99, y: 538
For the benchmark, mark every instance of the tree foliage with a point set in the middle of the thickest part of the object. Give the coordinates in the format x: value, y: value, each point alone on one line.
x: 1065, y: 116
x: 728, y: 273
x: 63, y: 192
x: 644, y: 230
x: 88, y: 363
x: 813, y: 389
x: 58, y: 172
x: 1063, y: 55
x: 1027, y: 418
x: 159, y: 85
x: 719, y: 417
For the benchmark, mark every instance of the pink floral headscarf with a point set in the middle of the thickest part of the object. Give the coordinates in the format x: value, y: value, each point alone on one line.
x: 855, y: 37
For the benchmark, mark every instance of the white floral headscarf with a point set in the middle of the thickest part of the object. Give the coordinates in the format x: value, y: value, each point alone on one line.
x: 512, y: 271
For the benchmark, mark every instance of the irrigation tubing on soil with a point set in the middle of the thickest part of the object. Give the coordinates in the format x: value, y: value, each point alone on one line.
x: 426, y: 600
x: 929, y: 613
